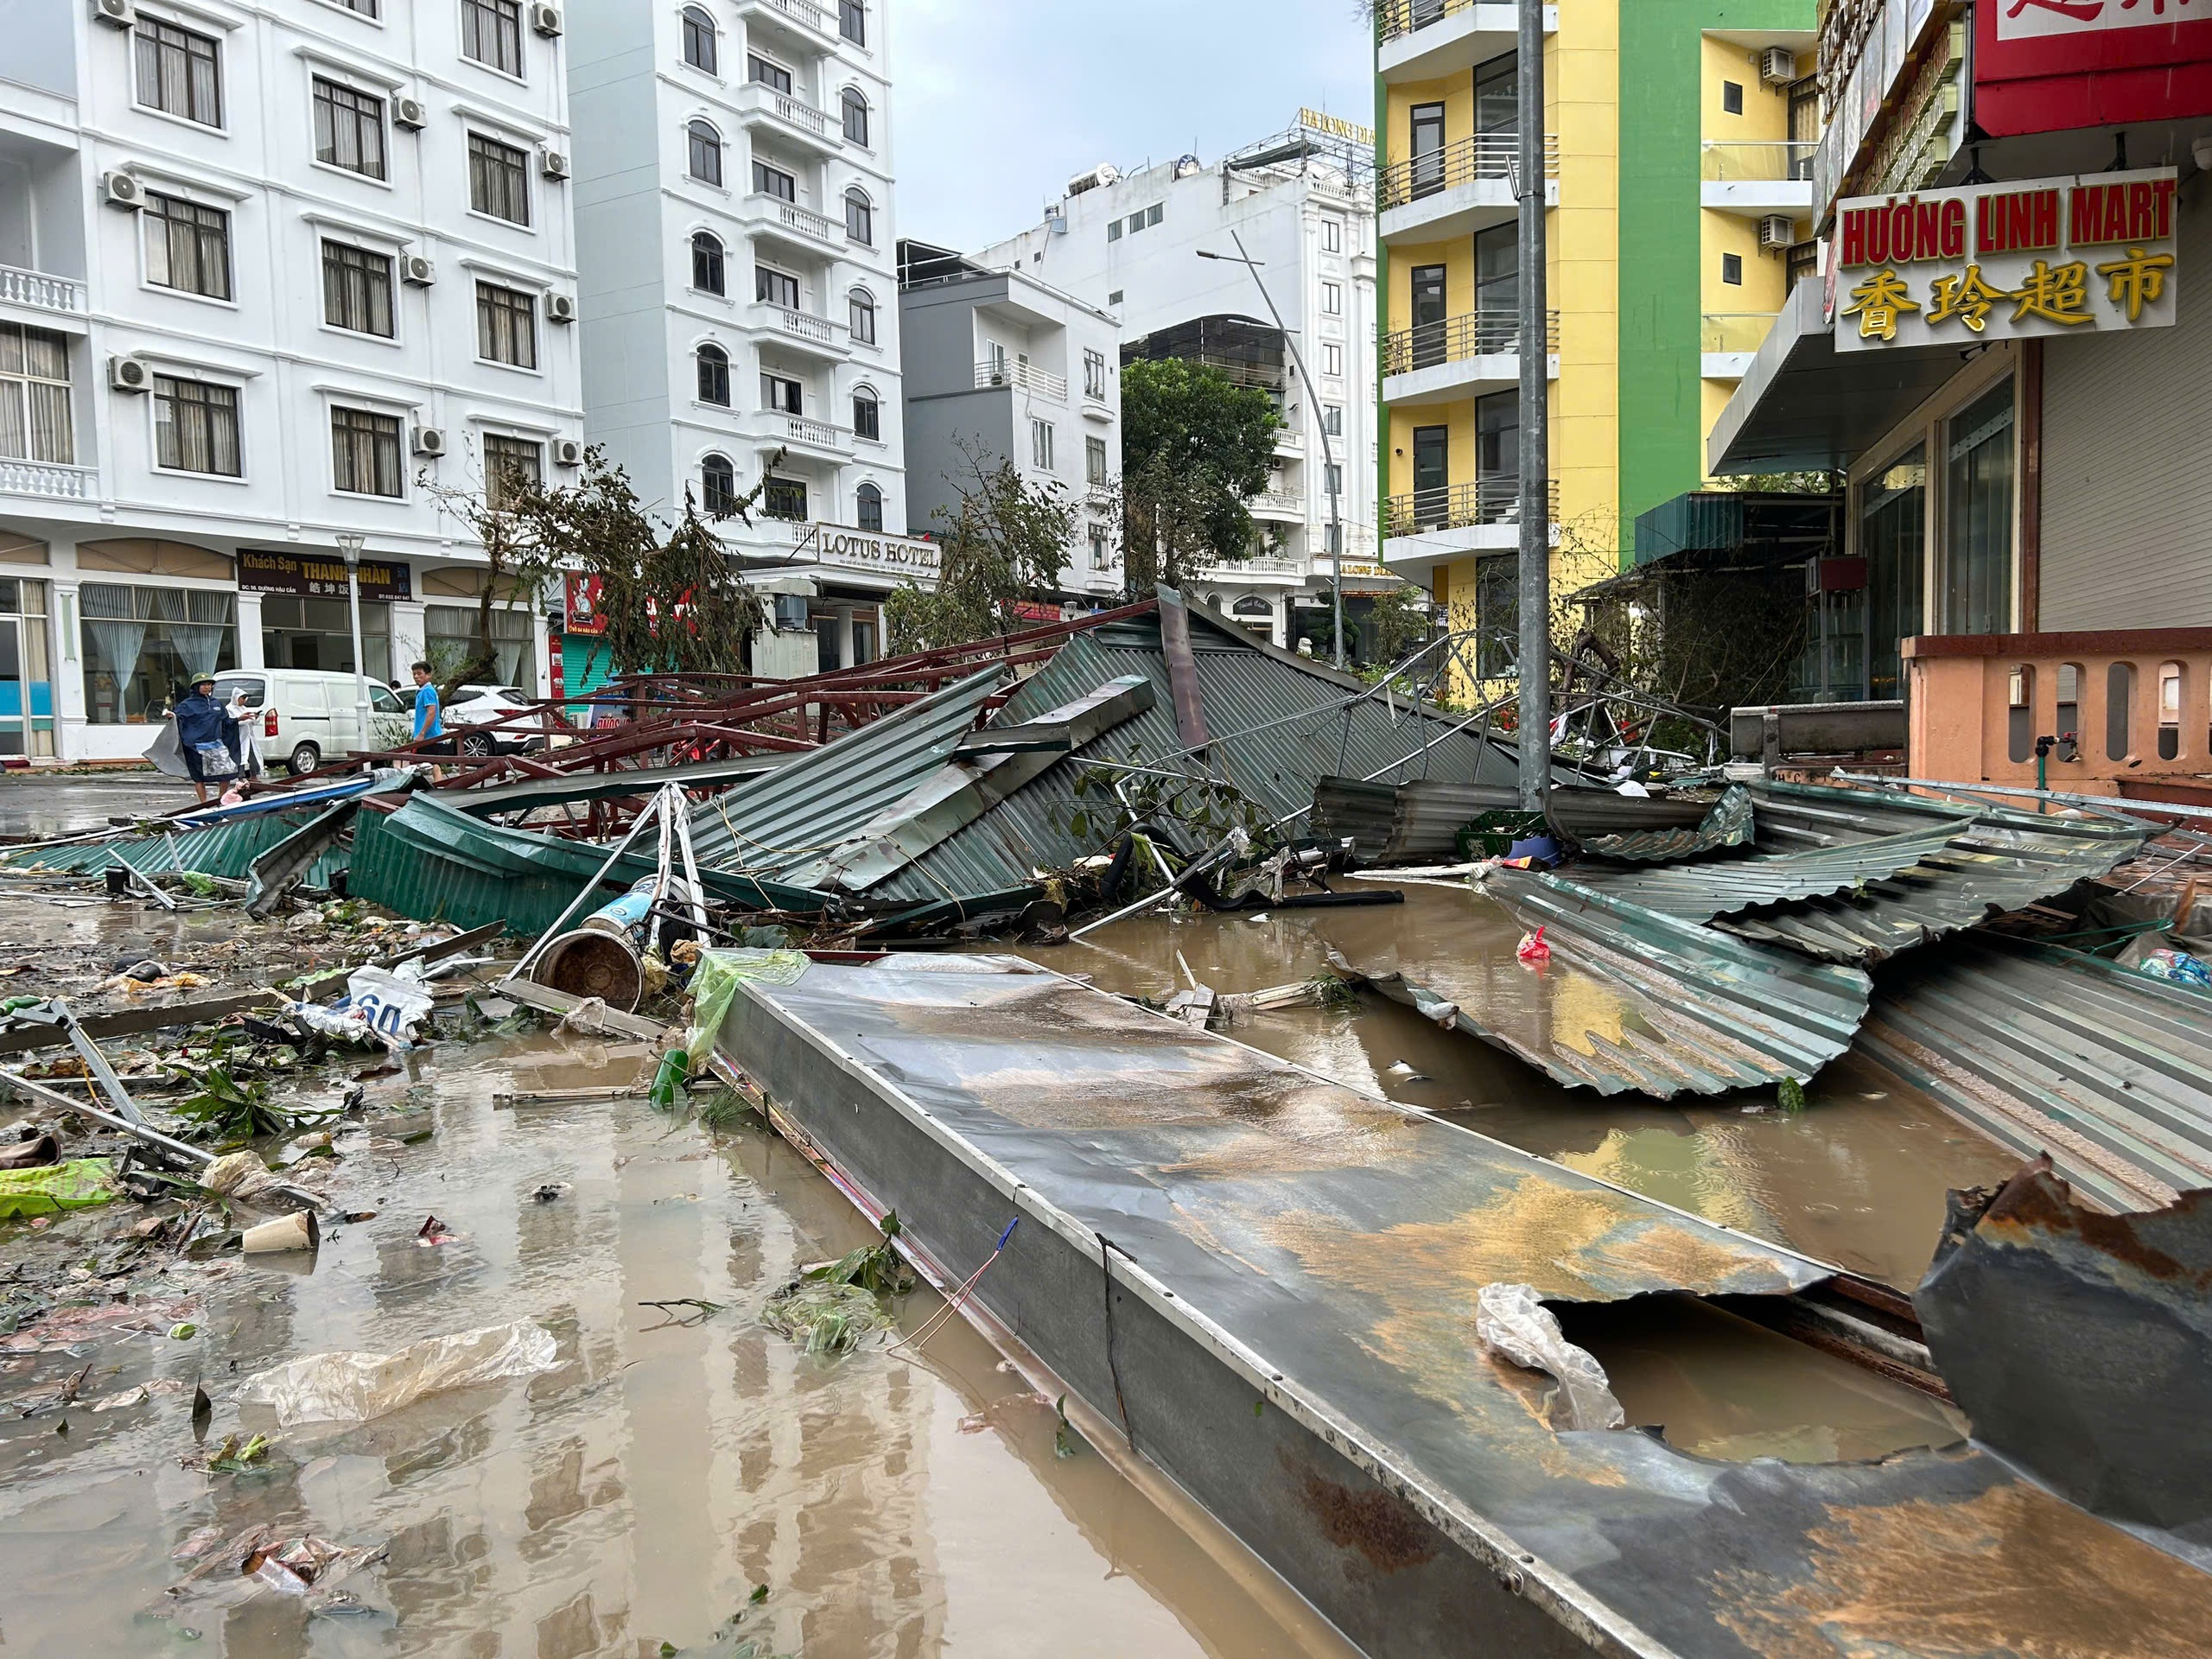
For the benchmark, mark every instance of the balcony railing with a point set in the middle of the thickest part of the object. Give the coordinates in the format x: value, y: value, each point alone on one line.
x: 1757, y: 162
x: 1277, y: 501
x: 37, y: 289
x: 1486, y: 157
x: 798, y: 11
x: 1455, y: 339
x: 1023, y: 377
x: 1495, y: 499
x: 800, y: 325
x: 802, y: 222
x: 802, y: 429
x: 1396, y: 19
x: 792, y: 111
x: 48, y: 479
x: 1734, y: 331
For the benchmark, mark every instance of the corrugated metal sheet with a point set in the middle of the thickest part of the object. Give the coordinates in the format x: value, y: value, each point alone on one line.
x: 225, y: 849
x: 1366, y: 812
x: 1728, y: 824
x: 2107, y: 1071
x: 1698, y: 893
x: 1431, y: 813
x: 1669, y: 1007
x: 1580, y: 814
x: 816, y: 802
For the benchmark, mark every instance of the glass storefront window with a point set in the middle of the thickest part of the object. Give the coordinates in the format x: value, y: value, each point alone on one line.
x: 449, y: 640
x: 142, y: 646
x: 1976, y: 590
x: 26, y: 671
x: 1892, y: 532
x: 318, y: 633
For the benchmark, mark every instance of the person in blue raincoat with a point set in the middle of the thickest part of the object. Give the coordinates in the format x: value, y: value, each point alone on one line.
x: 203, y: 725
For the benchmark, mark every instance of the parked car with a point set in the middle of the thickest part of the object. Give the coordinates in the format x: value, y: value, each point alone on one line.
x: 478, y: 705
x: 302, y: 717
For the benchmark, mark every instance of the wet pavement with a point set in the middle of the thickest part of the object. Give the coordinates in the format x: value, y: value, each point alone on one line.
x: 36, y: 806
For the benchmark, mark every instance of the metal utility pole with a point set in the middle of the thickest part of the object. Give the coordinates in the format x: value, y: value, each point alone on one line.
x: 349, y: 545
x: 1536, y: 572
x: 1330, y: 476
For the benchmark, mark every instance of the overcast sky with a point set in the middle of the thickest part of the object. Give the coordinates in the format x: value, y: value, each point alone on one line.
x: 999, y: 103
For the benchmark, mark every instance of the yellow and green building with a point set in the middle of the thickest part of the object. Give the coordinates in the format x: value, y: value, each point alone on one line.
x: 1679, y: 136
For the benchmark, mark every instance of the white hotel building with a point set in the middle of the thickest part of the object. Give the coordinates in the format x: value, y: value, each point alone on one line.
x: 262, y: 267
x: 740, y: 291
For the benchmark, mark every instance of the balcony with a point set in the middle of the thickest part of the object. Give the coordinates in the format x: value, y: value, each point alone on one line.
x: 1021, y: 376
x: 1459, y: 357
x: 800, y: 330
x: 1754, y: 179
x: 1466, y: 187
x: 1277, y: 504
x: 790, y: 116
x: 48, y: 480
x: 809, y: 22
x: 807, y: 435
x: 801, y: 226
x: 35, y: 290
x: 1420, y: 39
x: 1728, y: 341
x: 1266, y: 567
x: 1430, y: 527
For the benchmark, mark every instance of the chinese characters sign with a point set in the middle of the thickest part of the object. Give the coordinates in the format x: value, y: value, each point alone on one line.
x: 2020, y: 19
x: 2014, y: 261
x: 323, y: 578
x: 2057, y: 66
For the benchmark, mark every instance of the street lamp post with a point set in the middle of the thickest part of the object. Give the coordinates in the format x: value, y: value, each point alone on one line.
x: 1330, y: 476
x: 349, y: 544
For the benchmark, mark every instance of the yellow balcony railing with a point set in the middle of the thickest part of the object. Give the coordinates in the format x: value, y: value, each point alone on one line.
x: 1734, y: 331
x: 1756, y: 161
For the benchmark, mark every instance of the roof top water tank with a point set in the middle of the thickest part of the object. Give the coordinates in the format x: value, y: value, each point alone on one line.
x: 1186, y: 165
x: 1105, y: 173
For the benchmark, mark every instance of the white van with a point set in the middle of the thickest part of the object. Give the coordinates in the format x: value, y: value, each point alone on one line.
x: 303, y: 718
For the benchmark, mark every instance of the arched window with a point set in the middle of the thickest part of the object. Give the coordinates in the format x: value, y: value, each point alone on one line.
x: 706, y: 153
x: 867, y: 507
x: 707, y: 271
x: 862, y: 317
x: 855, y: 108
x: 699, y: 47
x: 718, y: 485
x: 713, y: 376
x: 867, y: 415
x: 859, y: 218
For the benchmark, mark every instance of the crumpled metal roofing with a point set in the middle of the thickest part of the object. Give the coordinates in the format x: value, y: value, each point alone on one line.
x: 1669, y: 1007
x: 1729, y: 824
x: 1699, y: 893
x: 2044, y: 1049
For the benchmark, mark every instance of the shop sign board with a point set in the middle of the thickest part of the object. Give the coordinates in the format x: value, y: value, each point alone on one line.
x: 2025, y: 260
x: 580, y: 601
x: 320, y: 578
x: 2054, y: 66
x: 861, y: 549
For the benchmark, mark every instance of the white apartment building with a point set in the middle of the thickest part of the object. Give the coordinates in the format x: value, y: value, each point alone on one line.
x: 738, y: 291
x: 262, y: 268
x: 1000, y: 367
x: 1304, y: 207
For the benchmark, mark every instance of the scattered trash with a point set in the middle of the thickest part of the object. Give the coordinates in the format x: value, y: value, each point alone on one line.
x: 293, y: 1567
x: 233, y: 1456
x: 393, y: 1001
x: 434, y: 1231
x: 832, y: 1308
x: 550, y: 1191
x: 1533, y: 947
x: 35, y: 1152
x: 77, y: 1185
x: 296, y: 1232
x: 2178, y: 966
x: 1513, y: 1320
x: 240, y: 1176
x: 355, y: 1388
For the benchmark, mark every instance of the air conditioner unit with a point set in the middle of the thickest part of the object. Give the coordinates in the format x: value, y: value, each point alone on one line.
x: 116, y: 14
x: 553, y: 163
x: 410, y: 112
x: 560, y: 307
x: 129, y: 374
x: 121, y: 190
x: 546, y: 20
x: 568, y: 452
x: 1777, y: 232
x: 429, y: 441
x: 416, y: 269
x: 1777, y: 66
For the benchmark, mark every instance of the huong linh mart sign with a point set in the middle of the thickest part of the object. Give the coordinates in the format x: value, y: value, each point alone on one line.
x: 2029, y: 258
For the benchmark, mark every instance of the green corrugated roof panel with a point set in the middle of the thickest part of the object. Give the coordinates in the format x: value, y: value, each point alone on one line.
x: 1701, y: 520
x: 224, y: 849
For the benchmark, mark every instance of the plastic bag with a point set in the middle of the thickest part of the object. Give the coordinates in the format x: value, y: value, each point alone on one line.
x: 239, y: 1175
x: 76, y: 1184
x: 2179, y: 967
x: 216, y: 760
x: 714, y: 987
x: 1513, y: 1320
x: 393, y: 1003
x: 347, y: 1025
x: 1532, y: 947
x: 352, y: 1388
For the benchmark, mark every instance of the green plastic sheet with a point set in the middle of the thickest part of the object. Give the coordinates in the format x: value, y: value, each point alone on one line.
x: 77, y: 1185
x: 713, y: 986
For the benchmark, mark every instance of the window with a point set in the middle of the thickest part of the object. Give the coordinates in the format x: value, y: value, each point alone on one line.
x: 1333, y: 419
x: 861, y: 317
x: 785, y: 497
x: 1094, y: 462
x: 348, y: 129
x: 364, y: 452
x: 1498, y: 94
x: 499, y: 180
x: 1114, y: 230
x: 768, y: 74
x: 142, y: 643
x: 1114, y: 298
x: 706, y: 153
x: 1094, y: 375
x: 512, y: 467
x: 714, y: 375
x: 490, y: 33
x: 867, y: 508
x: 1732, y: 269
x: 179, y: 72
x: 1102, y: 554
x: 196, y: 427
x: 699, y: 50
x: 365, y: 8
x: 1333, y: 299
x: 1136, y: 222
x: 852, y: 21
x: 782, y: 394
x: 1892, y: 533
x: 1427, y: 170
x: 1332, y: 359
x: 859, y: 219
x: 1152, y: 215
x: 855, y: 110
x: 1333, y: 236
x: 1041, y: 445
x: 506, y: 326
x: 356, y: 290
x: 718, y: 485
x: 1732, y: 97
x: 708, y: 272
x: 1498, y: 614
x: 1332, y: 480
x: 867, y: 416
x: 773, y: 182
x: 35, y: 423
x: 187, y: 246
x: 1974, y: 585
x: 775, y: 287
x: 1497, y: 283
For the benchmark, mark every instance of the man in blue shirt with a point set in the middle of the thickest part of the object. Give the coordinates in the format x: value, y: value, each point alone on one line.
x: 205, y: 727
x: 427, y: 721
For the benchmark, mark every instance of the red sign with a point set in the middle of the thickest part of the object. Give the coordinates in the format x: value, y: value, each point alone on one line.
x: 582, y: 603
x: 553, y: 661
x: 2053, y: 65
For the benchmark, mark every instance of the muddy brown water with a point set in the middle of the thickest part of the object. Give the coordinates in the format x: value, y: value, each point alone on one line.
x: 893, y: 1503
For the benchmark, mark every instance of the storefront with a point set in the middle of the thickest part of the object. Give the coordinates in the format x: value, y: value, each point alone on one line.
x: 306, y: 620
x: 26, y: 671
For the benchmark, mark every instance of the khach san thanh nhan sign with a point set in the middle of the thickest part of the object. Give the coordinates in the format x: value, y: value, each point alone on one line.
x: 2025, y: 260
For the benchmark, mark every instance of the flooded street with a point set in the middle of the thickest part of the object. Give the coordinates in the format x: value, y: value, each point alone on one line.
x: 673, y: 1462
x: 34, y: 807
x: 1858, y: 1178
